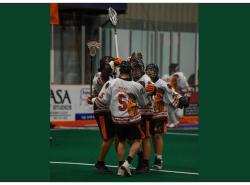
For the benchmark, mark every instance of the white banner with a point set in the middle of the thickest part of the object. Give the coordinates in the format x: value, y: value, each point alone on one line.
x: 68, y: 103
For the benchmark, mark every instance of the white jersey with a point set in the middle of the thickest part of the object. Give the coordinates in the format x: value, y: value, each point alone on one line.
x: 98, y: 82
x: 171, y: 97
x: 180, y: 83
x: 124, y: 98
x: 181, y: 86
x: 148, y: 109
x: 159, y: 105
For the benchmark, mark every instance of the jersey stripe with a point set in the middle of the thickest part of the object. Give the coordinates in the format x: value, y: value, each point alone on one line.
x: 103, y: 127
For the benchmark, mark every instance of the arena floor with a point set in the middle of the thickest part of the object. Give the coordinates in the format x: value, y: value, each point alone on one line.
x: 74, y: 152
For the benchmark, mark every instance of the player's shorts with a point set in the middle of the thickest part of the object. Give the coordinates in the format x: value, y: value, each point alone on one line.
x: 105, y: 124
x: 130, y: 132
x: 158, y: 126
x: 145, y: 125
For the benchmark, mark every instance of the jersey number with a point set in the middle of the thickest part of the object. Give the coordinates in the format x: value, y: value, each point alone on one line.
x: 123, y: 105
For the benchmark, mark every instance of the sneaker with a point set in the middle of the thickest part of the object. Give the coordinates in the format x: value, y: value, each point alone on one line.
x: 143, y: 169
x: 158, y: 164
x: 173, y: 125
x: 176, y: 125
x: 120, y: 172
x: 126, y: 168
x: 102, y: 169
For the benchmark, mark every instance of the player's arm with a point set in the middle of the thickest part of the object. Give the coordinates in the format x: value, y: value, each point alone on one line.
x: 104, y: 97
x: 172, y: 96
x: 178, y: 100
x: 150, y: 86
x: 90, y: 99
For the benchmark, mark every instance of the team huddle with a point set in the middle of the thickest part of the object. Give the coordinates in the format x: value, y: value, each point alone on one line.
x: 131, y: 105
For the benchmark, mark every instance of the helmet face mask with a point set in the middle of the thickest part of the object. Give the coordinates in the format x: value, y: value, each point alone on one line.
x: 137, y: 69
x: 136, y: 73
x: 152, y: 71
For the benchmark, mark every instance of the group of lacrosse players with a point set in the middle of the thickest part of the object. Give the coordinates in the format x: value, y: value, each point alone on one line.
x: 131, y: 105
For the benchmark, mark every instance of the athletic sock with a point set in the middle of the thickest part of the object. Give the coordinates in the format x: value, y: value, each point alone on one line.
x: 129, y: 159
x: 100, y: 163
x: 158, y: 156
x: 121, y: 162
x: 146, y: 162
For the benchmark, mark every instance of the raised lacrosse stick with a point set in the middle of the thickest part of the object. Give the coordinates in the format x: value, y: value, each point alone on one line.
x: 93, y: 46
x: 114, y: 19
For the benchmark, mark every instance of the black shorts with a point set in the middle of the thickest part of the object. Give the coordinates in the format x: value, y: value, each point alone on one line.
x: 105, y: 124
x: 130, y: 132
x: 146, y: 125
x: 158, y: 126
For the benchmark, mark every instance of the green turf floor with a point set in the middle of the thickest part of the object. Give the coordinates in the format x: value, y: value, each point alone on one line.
x: 82, y: 146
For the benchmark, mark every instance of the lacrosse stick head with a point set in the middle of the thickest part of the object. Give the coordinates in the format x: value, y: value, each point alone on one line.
x: 113, y: 16
x: 93, y: 46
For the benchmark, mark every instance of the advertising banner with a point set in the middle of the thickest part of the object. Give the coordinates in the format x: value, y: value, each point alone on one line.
x: 68, y: 106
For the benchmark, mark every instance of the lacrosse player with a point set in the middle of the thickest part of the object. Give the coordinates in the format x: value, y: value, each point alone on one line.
x: 139, y: 76
x: 179, y: 83
x: 165, y: 97
x: 103, y: 116
x: 123, y: 97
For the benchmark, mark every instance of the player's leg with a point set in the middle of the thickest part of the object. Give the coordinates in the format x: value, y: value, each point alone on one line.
x: 173, y: 118
x: 140, y: 152
x: 121, y: 147
x: 135, y: 148
x: 143, y: 164
x: 104, y: 148
x: 146, y: 151
x: 152, y: 132
x: 132, y: 153
x: 107, y: 133
x: 158, y: 145
x: 160, y: 128
x: 135, y: 135
x: 121, y: 150
x: 178, y: 114
x: 116, y: 142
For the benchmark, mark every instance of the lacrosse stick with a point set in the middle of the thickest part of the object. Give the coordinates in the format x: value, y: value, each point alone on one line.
x: 92, y: 45
x: 113, y: 19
